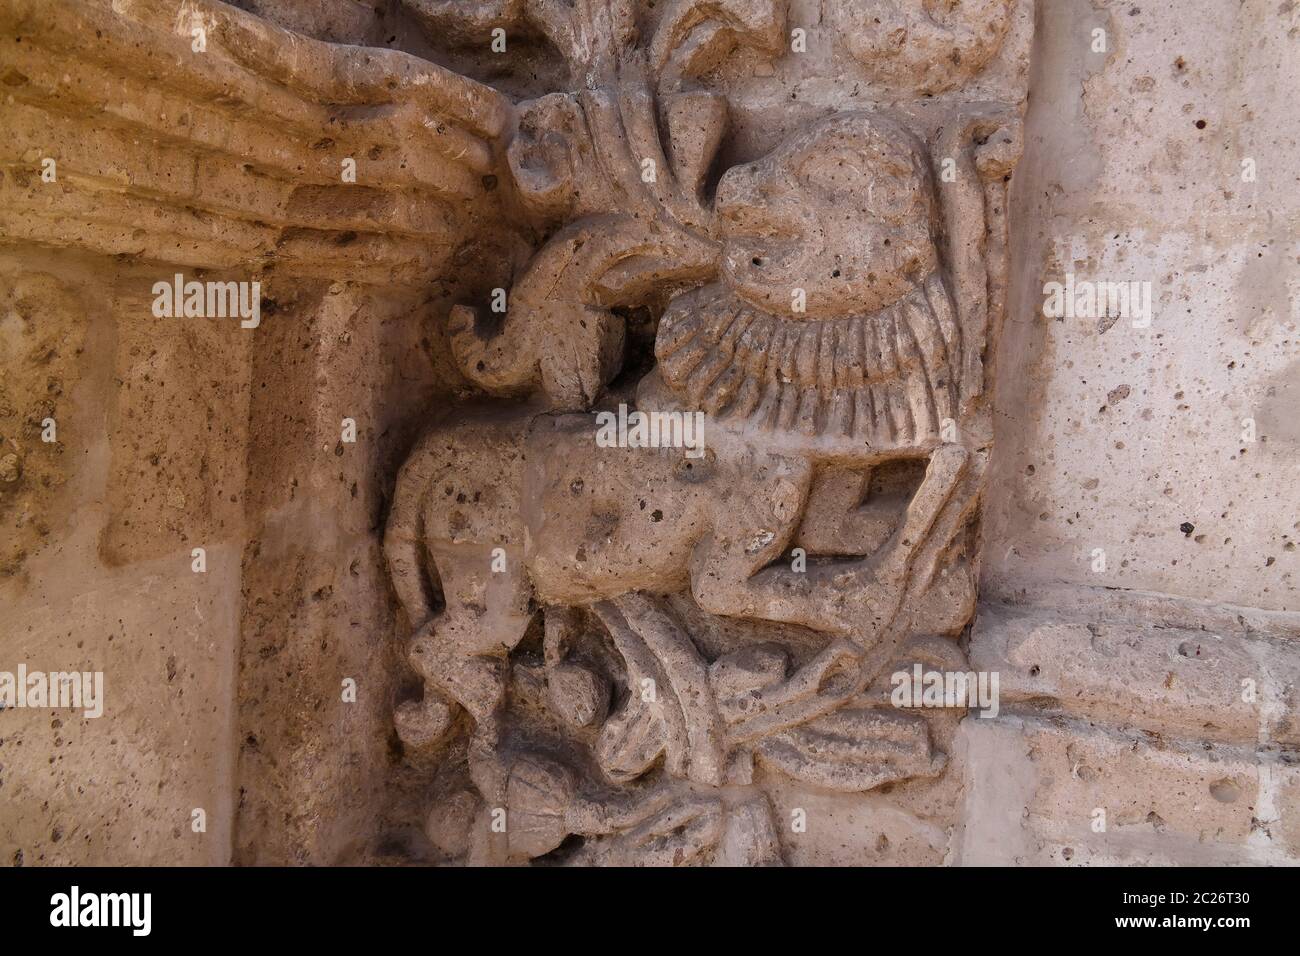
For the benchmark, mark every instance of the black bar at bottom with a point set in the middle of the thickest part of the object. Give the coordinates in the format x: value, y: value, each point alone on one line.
x: 440, y: 907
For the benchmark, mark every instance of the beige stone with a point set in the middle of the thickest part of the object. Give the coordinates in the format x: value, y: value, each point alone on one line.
x: 653, y: 442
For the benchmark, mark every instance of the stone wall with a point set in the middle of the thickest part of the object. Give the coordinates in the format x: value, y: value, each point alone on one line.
x: 1160, y: 686
x: 425, y: 601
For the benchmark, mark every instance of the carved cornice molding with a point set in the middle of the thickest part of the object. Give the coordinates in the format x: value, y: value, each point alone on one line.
x: 232, y: 156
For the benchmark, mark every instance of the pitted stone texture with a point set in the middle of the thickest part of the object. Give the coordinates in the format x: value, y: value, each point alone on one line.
x: 1039, y: 793
x: 1228, y: 687
x: 827, y: 309
x: 791, y: 217
x: 1121, y: 438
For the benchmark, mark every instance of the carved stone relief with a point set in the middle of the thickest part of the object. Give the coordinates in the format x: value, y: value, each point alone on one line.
x: 639, y: 432
x: 624, y: 643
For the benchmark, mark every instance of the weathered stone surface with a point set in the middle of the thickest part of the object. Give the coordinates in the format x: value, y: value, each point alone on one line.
x: 1231, y: 687
x: 827, y: 312
x: 1117, y: 437
x: 901, y: 567
x: 1040, y: 793
x: 137, y: 149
